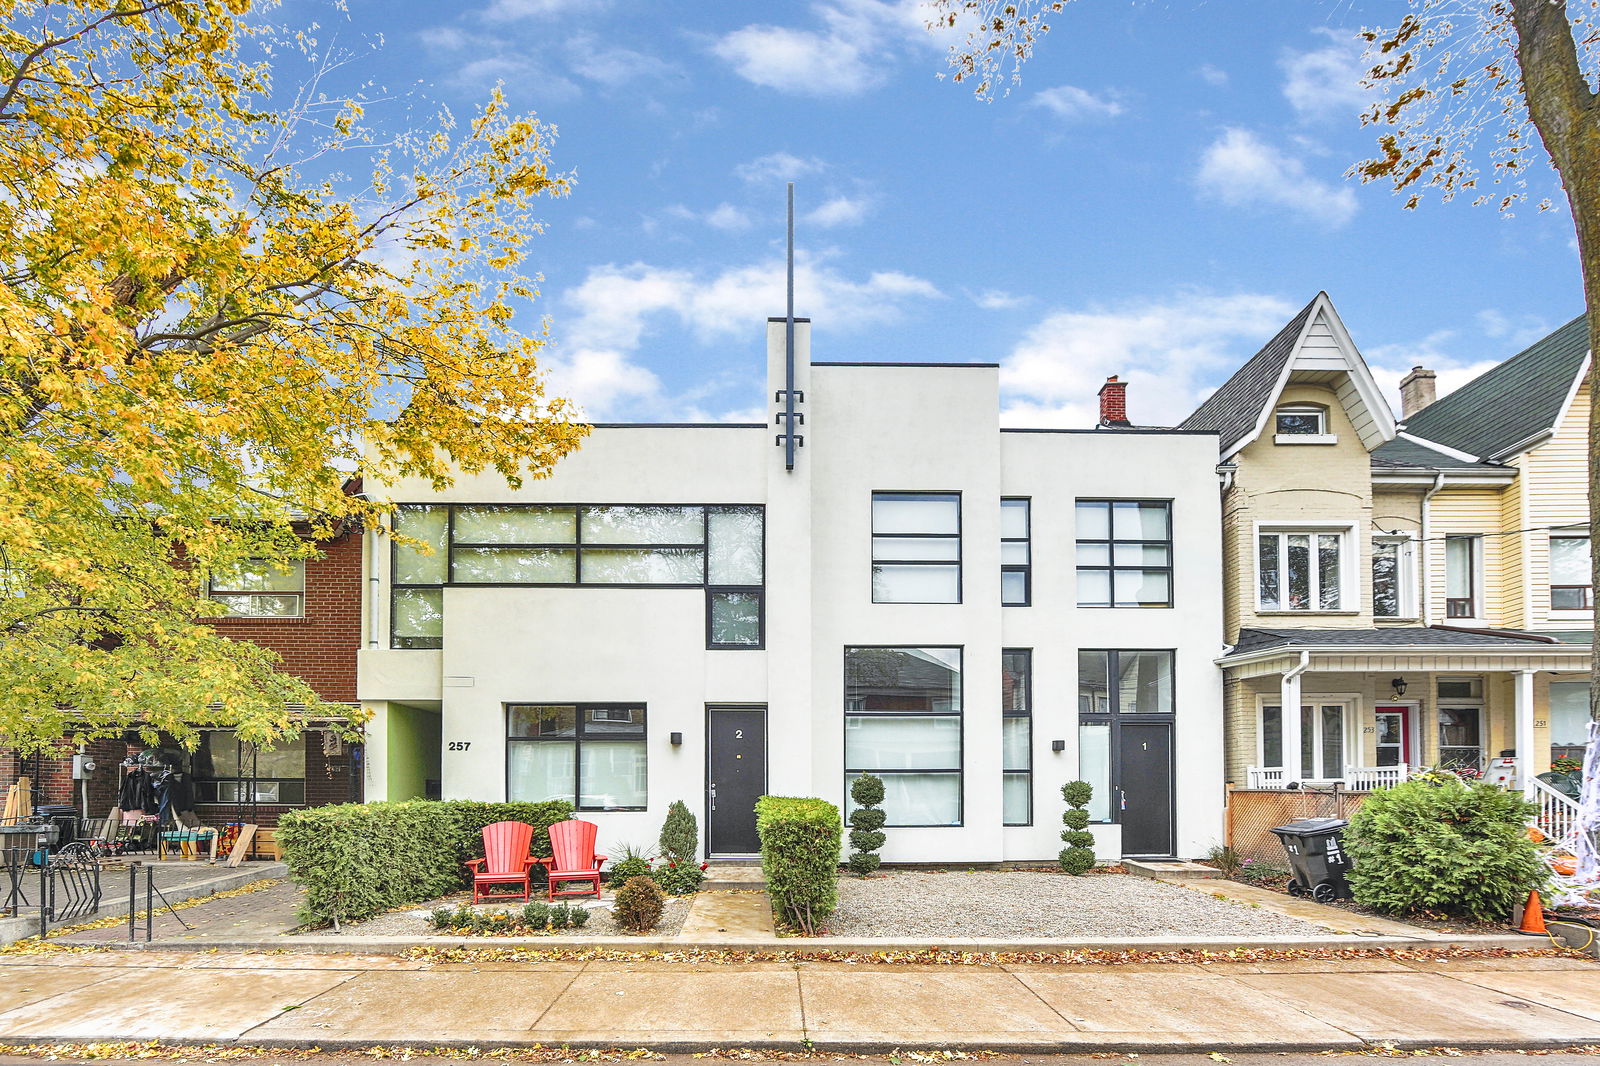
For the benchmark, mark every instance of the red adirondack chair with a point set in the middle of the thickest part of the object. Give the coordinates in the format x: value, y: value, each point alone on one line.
x: 575, y: 859
x: 507, y: 851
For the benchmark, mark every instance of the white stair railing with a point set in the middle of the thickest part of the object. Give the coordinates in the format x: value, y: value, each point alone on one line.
x: 1263, y: 776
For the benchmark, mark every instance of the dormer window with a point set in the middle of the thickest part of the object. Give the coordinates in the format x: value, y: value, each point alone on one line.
x: 1302, y: 423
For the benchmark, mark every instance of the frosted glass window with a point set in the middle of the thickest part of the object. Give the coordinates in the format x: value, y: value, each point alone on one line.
x: 1016, y: 734
x: 1014, y: 743
x: 902, y: 742
x: 735, y: 618
x: 734, y: 536
x: 429, y: 525
x: 515, y: 566
x: 1017, y: 807
x: 1014, y: 589
x: 1124, y: 553
x: 539, y: 772
x: 593, y: 756
x: 907, y: 549
x: 418, y: 618
x: 1016, y: 554
x: 643, y: 525
x: 1094, y: 766
x: 1014, y: 519
x: 918, y: 799
x: 643, y: 566
x: 612, y: 773
x: 1093, y: 520
x: 1569, y: 714
x: 893, y: 583
x: 894, y: 512
x: 1138, y: 520
x: 516, y: 525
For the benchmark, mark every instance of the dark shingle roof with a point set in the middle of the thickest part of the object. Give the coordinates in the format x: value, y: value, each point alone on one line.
x: 1510, y: 403
x: 1570, y: 636
x: 1399, y: 454
x: 1234, y: 409
x: 1399, y: 637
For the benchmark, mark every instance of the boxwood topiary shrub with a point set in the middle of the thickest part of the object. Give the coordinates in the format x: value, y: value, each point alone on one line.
x: 359, y: 859
x: 866, y: 824
x: 637, y: 907
x: 800, y: 858
x: 1078, y: 856
x: 1438, y: 844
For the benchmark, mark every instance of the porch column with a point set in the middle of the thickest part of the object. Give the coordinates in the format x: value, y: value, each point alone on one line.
x: 1523, y: 737
x: 1289, y: 697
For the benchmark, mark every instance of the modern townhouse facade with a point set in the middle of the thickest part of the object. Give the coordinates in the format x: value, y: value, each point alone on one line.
x: 879, y: 578
x: 1418, y: 590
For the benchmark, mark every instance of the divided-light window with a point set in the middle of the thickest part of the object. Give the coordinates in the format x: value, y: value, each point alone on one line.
x: 916, y: 547
x: 1016, y: 552
x: 719, y: 548
x: 592, y: 755
x: 260, y: 589
x: 1571, y: 587
x: 902, y: 722
x: 1124, y: 553
x: 1300, y: 570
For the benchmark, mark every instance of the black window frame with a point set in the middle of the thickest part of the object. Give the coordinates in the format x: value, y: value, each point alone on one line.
x: 1114, y: 717
x: 957, y: 536
x: 576, y: 740
x: 577, y: 545
x: 1026, y: 540
x: 208, y: 790
x: 959, y: 715
x: 1110, y: 541
x: 1006, y: 711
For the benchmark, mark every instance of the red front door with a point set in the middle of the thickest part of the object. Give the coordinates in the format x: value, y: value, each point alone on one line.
x: 1394, y: 735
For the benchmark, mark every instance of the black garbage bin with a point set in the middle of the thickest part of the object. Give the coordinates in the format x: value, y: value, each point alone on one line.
x: 1317, y: 859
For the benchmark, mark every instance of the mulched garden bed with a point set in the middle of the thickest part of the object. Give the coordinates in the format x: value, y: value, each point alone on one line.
x: 1001, y: 903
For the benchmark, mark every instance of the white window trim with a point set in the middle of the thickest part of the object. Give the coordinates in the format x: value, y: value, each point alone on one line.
x: 1351, y: 702
x: 1406, y: 560
x: 1478, y: 615
x: 1349, y: 564
x: 1321, y: 412
x: 1455, y: 703
x: 1566, y: 614
x: 298, y: 565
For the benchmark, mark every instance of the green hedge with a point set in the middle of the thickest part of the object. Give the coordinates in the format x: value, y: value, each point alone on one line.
x: 800, y: 858
x: 359, y: 859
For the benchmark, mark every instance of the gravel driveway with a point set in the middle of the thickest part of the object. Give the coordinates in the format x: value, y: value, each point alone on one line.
x: 995, y: 903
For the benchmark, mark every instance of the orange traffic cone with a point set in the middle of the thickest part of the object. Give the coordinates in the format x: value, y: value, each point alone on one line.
x: 1533, y: 917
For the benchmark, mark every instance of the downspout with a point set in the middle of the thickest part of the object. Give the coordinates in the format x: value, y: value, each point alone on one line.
x: 1425, y: 589
x: 370, y: 550
x: 1289, y: 709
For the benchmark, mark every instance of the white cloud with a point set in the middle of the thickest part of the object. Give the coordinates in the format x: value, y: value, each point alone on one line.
x: 1518, y: 332
x: 839, y: 211
x: 607, y: 319
x: 727, y: 217
x: 998, y: 300
x: 1241, y: 170
x: 779, y: 166
x: 613, y: 67
x: 1172, y: 352
x: 1326, y: 81
x: 1074, y: 104
x: 1212, y: 75
x: 494, y: 60
x: 510, y: 10
x: 1391, y: 362
x: 853, y: 48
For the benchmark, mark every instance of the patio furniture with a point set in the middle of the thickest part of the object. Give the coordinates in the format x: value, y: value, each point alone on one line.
x: 572, y: 843
x: 507, y: 858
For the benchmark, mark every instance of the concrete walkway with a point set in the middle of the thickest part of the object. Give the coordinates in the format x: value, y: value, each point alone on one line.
x: 332, y: 1001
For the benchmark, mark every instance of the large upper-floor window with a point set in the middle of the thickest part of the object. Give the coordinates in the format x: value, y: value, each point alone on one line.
x: 916, y: 547
x: 1016, y: 552
x: 1300, y: 570
x: 902, y: 722
x: 229, y: 770
x: 719, y: 548
x: 1571, y: 583
x: 1462, y: 570
x: 1124, y: 553
x: 1016, y: 723
x: 260, y: 589
x: 1393, y: 578
x: 592, y: 755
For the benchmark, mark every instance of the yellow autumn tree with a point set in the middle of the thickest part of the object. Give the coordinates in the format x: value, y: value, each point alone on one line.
x: 208, y: 337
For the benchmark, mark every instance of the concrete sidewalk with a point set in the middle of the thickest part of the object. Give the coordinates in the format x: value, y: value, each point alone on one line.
x: 349, y: 1001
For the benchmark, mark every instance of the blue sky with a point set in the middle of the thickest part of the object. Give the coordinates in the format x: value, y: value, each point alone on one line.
x: 1160, y: 194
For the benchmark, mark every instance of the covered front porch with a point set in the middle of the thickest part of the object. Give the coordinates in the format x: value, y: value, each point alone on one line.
x: 1375, y: 706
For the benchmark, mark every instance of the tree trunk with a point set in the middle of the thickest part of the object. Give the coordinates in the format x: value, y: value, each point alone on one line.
x: 1563, y: 110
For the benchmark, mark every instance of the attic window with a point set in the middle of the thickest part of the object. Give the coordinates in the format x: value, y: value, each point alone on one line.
x: 1303, y: 423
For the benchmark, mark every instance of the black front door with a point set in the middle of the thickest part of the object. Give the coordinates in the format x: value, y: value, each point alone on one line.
x: 736, y: 776
x: 1144, y: 781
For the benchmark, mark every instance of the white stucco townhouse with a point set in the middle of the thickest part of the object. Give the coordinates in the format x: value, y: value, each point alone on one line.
x: 976, y: 613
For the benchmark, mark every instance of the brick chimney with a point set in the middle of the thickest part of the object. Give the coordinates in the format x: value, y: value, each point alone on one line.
x: 1417, y: 390
x: 1114, y: 402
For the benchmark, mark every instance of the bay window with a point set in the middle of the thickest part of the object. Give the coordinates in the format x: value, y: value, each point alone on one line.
x: 592, y: 755
x: 1571, y: 583
x: 903, y: 724
x: 1300, y: 570
x: 916, y: 547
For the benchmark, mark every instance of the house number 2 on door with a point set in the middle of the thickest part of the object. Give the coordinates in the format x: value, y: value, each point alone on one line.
x: 738, y: 734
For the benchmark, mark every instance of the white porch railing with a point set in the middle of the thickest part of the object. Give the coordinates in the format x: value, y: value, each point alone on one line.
x: 1263, y: 776
x: 1366, y: 778
x: 1558, y: 813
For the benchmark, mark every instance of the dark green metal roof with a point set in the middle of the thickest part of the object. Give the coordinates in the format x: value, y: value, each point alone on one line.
x: 1504, y: 406
x: 1400, y: 454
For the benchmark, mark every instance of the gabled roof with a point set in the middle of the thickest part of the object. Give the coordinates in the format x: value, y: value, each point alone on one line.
x: 1500, y: 412
x: 1315, y: 341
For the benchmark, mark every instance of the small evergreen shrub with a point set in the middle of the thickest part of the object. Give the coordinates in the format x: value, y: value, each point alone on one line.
x: 1078, y: 856
x: 577, y: 917
x: 800, y: 858
x: 637, y: 907
x: 866, y: 824
x: 536, y: 914
x: 680, y: 835
x: 1442, y: 845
